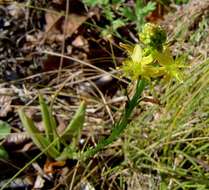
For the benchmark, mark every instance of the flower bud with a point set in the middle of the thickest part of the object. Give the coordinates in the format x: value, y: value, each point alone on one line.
x: 153, y: 36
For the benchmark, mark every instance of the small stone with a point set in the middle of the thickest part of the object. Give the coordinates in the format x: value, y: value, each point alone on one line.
x: 79, y: 41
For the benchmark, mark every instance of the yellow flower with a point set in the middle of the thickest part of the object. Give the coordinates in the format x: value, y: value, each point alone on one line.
x: 154, y: 60
x: 169, y: 67
x: 138, y: 65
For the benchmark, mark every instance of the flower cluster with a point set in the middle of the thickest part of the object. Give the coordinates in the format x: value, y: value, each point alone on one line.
x: 153, y: 36
x: 154, y: 60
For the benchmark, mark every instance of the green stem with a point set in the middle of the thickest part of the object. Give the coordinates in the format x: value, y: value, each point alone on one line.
x: 122, y: 124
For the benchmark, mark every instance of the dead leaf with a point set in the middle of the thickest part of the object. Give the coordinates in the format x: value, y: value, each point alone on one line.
x: 52, y: 63
x: 49, y: 167
x: 52, y: 22
x: 79, y: 41
x: 16, y: 139
x: 59, y: 2
x: 62, y: 126
x: 57, y: 27
x: 16, y: 11
x: 26, y: 147
x: 151, y: 100
x: 73, y: 22
x: 5, y: 101
x: 39, y: 182
x: 3, y: 2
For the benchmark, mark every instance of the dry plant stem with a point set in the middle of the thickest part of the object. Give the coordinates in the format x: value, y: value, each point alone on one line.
x: 49, y: 29
x: 113, y: 54
x: 85, y: 63
x: 61, y: 86
x: 74, y: 175
x: 105, y: 102
x: 90, y: 78
x: 32, y: 76
x: 63, y: 42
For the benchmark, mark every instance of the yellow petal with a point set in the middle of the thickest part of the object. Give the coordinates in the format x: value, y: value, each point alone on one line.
x: 164, y: 58
x: 147, y: 60
x: 137, y: 53
x: 128, y: 48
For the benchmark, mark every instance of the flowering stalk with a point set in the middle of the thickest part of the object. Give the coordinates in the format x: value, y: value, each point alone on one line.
x: 120, y: 125
x: 142, y: 65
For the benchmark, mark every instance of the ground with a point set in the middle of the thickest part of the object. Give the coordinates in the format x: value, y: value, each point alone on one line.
x: 70, y: 52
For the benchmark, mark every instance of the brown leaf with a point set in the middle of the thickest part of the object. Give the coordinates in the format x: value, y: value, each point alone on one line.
x: 79, y: 41
x: 49, y: 167
x: 59, y: 2
x: 39, y: 182
x: 2, y: 2
x: 16, y: 139
x: 57, y: 27
x: 52, y: 24
x: 72, y: 23
x: 16, y: 11
x: 52, y: 63
x: 5, y: 101
x: 62, y: 126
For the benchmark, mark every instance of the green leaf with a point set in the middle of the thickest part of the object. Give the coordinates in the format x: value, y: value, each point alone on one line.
x: 40, y: 141
x: 49, y: 147
x: 117, y: 24
x: 5, y: 129
x: 3, y: 153
x: 117, y: 1
x: 109, y: 14
x: 30, y: 128
x: 75, y: 126
x: 69, y: 152
x: 151, y: 6
x: 179, y: 2
x: 128, y: 13
x: 93, y: 3
x: 49, y: 122
x: 54, y: 129
x: 142, y: 11
x: 138, y: 7
x: 46, y: 119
